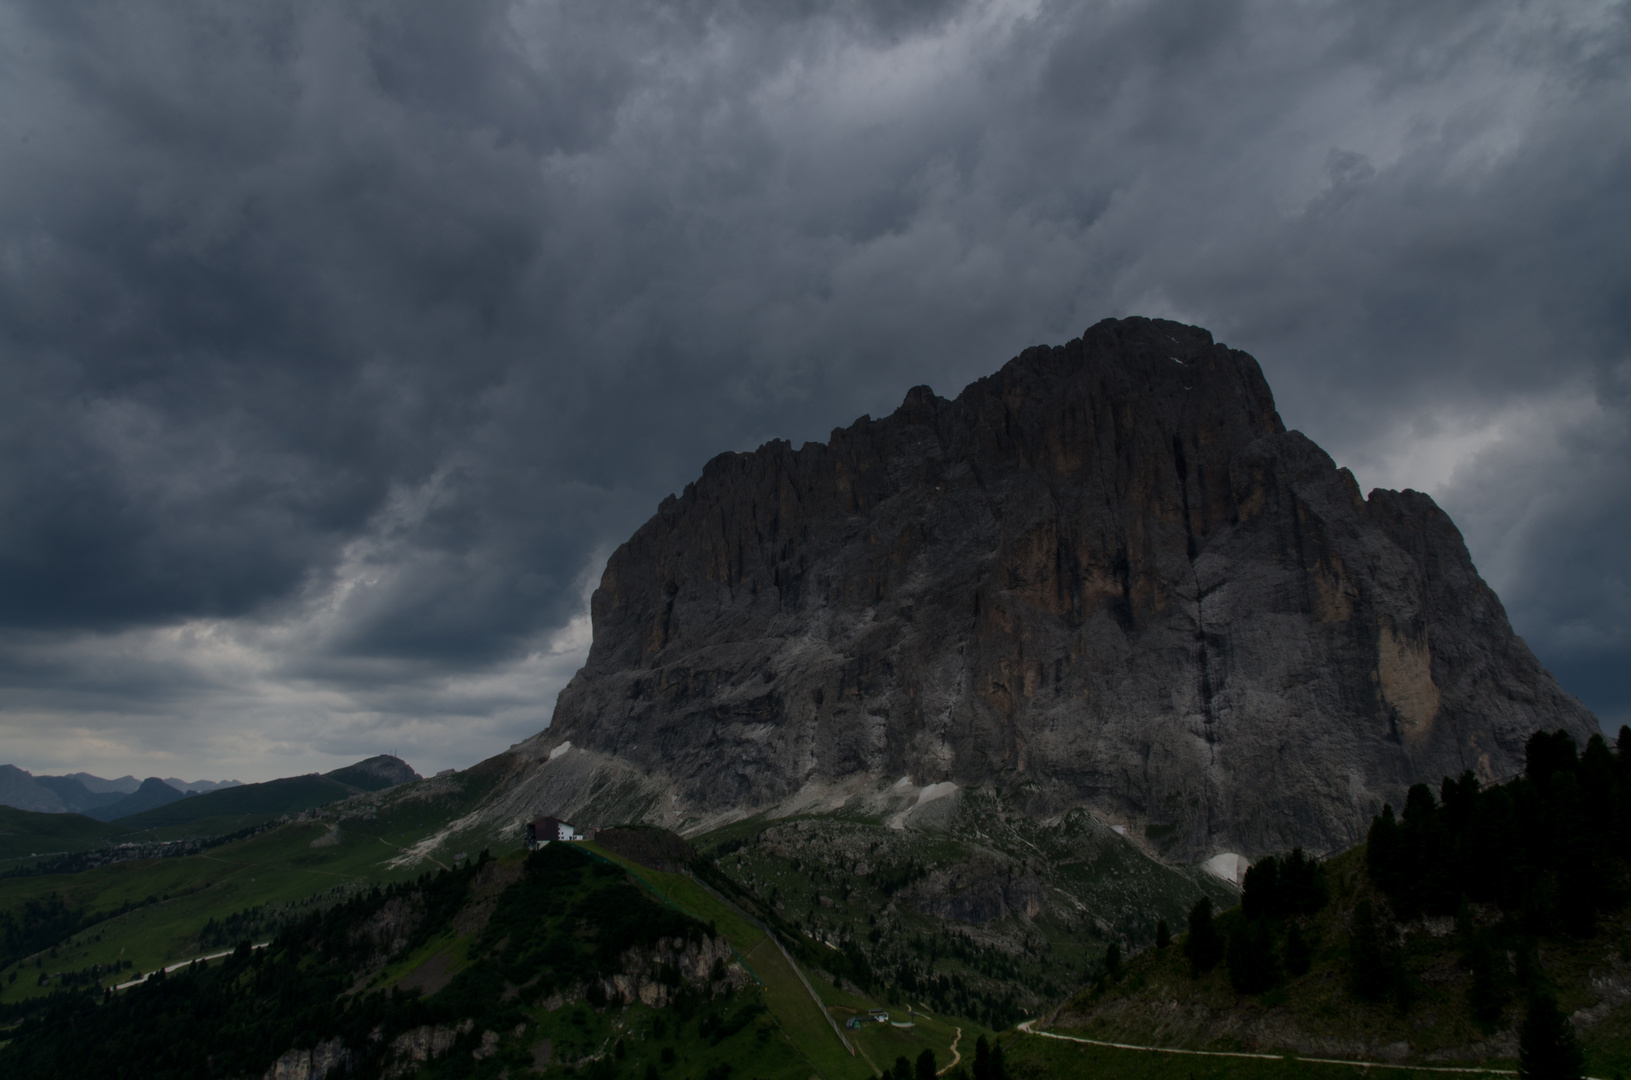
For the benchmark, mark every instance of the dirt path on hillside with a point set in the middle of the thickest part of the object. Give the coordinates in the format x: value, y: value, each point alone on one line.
x: 138, y: 980
x: 955, y: 1056
x: 1026, y: 1028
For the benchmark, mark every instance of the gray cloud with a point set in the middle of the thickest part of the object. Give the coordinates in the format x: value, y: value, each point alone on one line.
x: 338, y: 346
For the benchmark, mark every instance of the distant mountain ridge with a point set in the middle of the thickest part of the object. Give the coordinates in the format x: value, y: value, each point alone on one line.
x: 286, y: 795
x: 116, y: 800
x: 201, y: 786
x: 83, y: 793
x: 78, y: 798
x: 153, y: 793
x: 124, y: 785
x: 18, y: 789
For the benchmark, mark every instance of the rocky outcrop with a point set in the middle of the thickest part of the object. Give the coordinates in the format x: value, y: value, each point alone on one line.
x: 654, y: 976
x: 387, y: 930
x: 418, y: 1045
x: 981, y: 890
x: 1104, y: 576
x: 329, y: 1058
x: 375, y: 773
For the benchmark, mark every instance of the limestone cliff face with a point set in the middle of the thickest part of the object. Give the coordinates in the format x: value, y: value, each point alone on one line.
x: 1104, y: 576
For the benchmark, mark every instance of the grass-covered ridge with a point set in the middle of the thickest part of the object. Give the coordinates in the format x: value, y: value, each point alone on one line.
x: 244, y: 805
x: 144, y: 912
x: 513, y: 959
x: 26, y: 835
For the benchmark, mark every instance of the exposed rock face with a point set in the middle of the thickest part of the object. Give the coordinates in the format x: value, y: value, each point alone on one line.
x: 979, y: 891
x: 421, y: 1044
x: 320, y: 1061
x: 655, y: 976
x: 1104, y: 576
x: 390, y: 928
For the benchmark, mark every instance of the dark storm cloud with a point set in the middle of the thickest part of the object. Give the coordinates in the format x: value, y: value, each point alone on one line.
x: 337, y: 345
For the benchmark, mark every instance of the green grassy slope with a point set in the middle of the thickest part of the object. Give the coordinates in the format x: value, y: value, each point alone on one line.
x: 167, y: 903
x: 800, y: 1016
x: 273, y: 876
x: 24, y: 834
x: 503, y: 958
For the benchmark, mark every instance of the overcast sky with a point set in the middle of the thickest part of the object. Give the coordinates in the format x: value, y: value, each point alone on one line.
x: 340, y: 343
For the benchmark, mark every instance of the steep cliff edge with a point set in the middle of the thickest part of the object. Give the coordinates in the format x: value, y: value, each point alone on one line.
x: 1104, y: 576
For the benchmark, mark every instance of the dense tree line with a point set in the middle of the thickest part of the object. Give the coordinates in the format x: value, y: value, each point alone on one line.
x: 1273, y: 936
x: 249, y: 924
x: 1547, y: 854
x: 1549, y: 849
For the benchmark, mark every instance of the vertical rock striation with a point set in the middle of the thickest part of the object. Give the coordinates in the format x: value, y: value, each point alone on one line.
x: 1104, y: 576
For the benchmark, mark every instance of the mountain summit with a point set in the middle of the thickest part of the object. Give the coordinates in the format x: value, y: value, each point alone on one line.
x: 1106, y: 575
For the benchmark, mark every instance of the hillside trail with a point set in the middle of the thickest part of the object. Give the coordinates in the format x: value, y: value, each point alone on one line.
x: 1469, y: 1069
x: 955, y: 1056
x: 183, y: 963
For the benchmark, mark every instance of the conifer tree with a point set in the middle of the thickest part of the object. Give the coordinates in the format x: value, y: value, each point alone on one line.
x: 1252, y: 968
x: 1368, y: 953
x: 1484, y: 995
x: 925, y: 1065
x: 1260, y: 892
x: 1299, y: 956
x: 1302, y: 881
x: 1547, y: 1048
x: 1382, y: 849
x: 1202, y: 946
x: 988, y: 1061
x: 1419, y: 874
x: 1549, y: 753
x: 1163, y: 935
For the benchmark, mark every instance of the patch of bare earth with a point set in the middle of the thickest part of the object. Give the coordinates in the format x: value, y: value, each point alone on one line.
x: 432, y: 975
x: 489, y: 882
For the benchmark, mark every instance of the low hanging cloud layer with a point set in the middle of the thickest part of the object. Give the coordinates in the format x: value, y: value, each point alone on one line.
x: 339, y: 345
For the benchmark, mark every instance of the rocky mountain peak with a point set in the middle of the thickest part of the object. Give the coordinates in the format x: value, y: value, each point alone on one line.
x: 376, y: 773
x: 1104, y: 576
